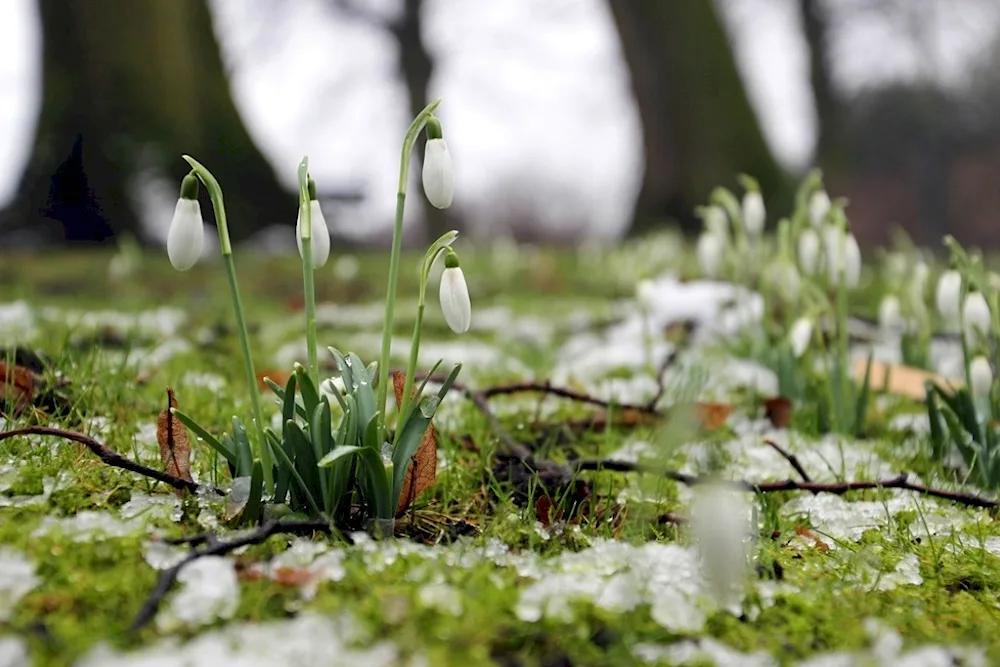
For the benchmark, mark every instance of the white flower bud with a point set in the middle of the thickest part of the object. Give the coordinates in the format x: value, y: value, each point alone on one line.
x: 186, y: 237
x: 981, y: 377
x: 721, y: 527
x: 320, y: 234
x: 976, y: 318
x: 645, y: 293
x: 819, y: 207
x: 948, y: 295
x: 438, y: 176
x: 843, y: 257
x: 716, y: 220
x: 454, y: 293
x: 754, y: 214
x: 782, y: 278
x: 711, y: 250
x: 800, y: 336
x: 808, y: 251
x: 918, y: 282
x: 890, y: 315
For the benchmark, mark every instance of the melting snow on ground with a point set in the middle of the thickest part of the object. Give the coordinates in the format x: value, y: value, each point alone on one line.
x: 17, y: 578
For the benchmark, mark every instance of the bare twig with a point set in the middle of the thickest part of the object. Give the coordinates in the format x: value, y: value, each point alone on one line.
x: 561, y: 392
x: 108, y: 456
x: 218, y: 547
x: 791, y: 458
x: 661, y: 385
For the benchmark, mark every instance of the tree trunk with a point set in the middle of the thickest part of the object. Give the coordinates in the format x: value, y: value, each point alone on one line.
x: 699, y: 129
x: 129, y: 86
x: 831, y: 144
x: 416, y: 68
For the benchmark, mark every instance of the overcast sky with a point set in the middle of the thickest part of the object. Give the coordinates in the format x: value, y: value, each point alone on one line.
x: 536, y: 96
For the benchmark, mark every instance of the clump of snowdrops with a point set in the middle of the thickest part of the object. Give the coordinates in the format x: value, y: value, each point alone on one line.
x: 322, y: 461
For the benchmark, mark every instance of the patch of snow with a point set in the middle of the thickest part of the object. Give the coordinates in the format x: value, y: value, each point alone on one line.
x: 210, y: 381
x: 700, y: 650
x: 159, y: 355
x: 165, y: 321
x: 162, y: 507
x: 631, y: 451
x: 161, y: 556
x: 89, y: 525
x: 441, y: 597
x: 17, y: 323
x: 209, y: 590
x: 13, y: 652
x: 17, y: 578
x: 49, y: 485
x: 303, y: 641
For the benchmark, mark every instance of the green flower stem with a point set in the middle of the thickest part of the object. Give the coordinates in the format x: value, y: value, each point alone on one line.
x: 215, y: 193
x: 397, y: 240
x: 438, y: 247
x: 308, y: 279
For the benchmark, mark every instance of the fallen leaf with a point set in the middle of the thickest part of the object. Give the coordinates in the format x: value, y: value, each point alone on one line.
x: 422, y: 471
x: 712, y: 416
x: 292, y: 576
x: 175, y: 448
x: 280, y: 378
x: 779, y: 411
x: 546, y: 512
x: 820, y: 545
x: 17, y: 385
x: 899, y: 380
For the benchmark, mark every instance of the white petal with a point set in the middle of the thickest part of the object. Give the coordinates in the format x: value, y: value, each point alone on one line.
x: 975, y: 317
x: 186, y: 237
x: 819, y: 206
x: 981, y: 376
x: 455, y: 303
x: 320, y: 234
x: 808, y: 251
x: 800, y: 336
x: 949, y: 292
x: 721, y: 527
x: 438, y: 176
x: 753, y: 213
x: 890, y: 317
x: 710, y: 251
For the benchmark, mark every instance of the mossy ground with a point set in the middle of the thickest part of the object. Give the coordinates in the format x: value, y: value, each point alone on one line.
x: 89, y: 590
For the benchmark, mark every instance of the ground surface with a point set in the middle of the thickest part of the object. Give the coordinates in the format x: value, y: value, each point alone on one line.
x: 475, y: 575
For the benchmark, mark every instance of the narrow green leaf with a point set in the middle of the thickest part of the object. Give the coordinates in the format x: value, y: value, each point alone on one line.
x: 252, y: 510
x: 210, y: 440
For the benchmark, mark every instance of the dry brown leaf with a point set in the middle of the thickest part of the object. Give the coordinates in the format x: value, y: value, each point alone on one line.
x: 175, y: 448
x: 712, y: 415
x: 280, y: 378
x: 901, y: 381
x: 820, y: 545
x: 422, y: 471
x: 546, y: 512
x: 17, y: 384
x: 779, y: 411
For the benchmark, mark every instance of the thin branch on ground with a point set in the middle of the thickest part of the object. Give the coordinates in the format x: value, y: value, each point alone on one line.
x: 661, y: 385
x: 109, y: 456
x: 561, y: 392
x: 217, y: 547
x: 791, y: 458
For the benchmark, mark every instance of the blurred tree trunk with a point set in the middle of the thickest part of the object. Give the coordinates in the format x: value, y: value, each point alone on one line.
x: 831, y: 144
x: 130, y: 86
x: 416, y: 67
x: 699, y: 129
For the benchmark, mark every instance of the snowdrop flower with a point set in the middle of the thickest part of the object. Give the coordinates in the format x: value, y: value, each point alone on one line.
x: 439, y: 178
x: 890, y: 315
x: 949, y: 292
x: 975, y: 317
x: 980, y: 376
x: 783, y: 278
x: 819, y: 206
x: 721, y: 527
x: 754, y: 214
x: 711, y: 249
x: 186, y: 237
x: 715, y: 220
x: 645, y: 293
x: 455, y: 303
x: 800, y: 336
x: 320, y: 233
x: 843, y: 256
x: 918, y: 282
x: 808, y: 251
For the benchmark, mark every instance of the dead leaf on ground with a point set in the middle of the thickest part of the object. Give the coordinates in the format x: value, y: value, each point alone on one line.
x: 175, y: 448
x: 711, y: 416
x: 820, y: 545
x: 279, y: 378
x: 17, y: 386
x: 779, y: 411
x: 422, y: 471
x: 899, y: 380
x: 546, y: 512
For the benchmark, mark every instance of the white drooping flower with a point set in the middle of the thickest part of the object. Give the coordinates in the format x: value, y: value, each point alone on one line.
x: 980, y: 377
x: 890, y: 314
x: 320, y: 234
x: 782, y: 278
x: 711, y: 251
x: 721, y: 527
x: 917, y: 283
x: 186, y: 237
x: 754, y: 213
x: 976, y: 317
x: 819, y: 206
x: 808, y: 251
x: 438, y: 175
x: 645, y: 293
x: 800, y: 335
x: 949, y: 294
x: 715, y: 219
x: 454, y: 293
x: 843, y: 256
